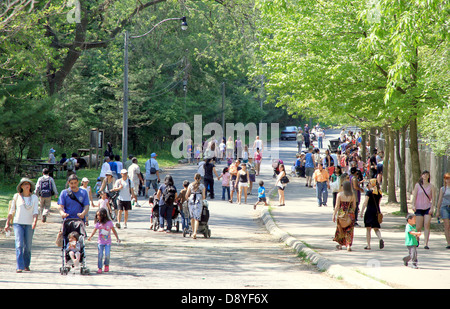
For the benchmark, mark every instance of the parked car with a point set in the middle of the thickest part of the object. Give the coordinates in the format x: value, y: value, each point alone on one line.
x: 289, y: 132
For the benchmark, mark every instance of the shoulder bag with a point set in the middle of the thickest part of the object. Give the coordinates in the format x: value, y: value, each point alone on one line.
x: 379, y: 214
x: 344, y: 219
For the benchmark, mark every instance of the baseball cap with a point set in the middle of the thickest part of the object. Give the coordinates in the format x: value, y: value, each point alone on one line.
x: 153, y: 155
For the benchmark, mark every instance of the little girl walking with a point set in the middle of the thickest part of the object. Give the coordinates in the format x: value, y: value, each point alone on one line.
x: 104, y: 226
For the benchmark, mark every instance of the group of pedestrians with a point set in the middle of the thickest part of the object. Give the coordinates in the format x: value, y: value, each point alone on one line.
x: 349, y: 190
x: 355, y: 183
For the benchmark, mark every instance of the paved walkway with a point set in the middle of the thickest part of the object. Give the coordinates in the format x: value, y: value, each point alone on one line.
x: 309, y: 230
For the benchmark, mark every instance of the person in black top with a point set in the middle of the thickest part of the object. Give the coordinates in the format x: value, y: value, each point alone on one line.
x: 208, y: 179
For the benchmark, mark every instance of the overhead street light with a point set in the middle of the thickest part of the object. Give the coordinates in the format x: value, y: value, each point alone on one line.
x: 127, y: 37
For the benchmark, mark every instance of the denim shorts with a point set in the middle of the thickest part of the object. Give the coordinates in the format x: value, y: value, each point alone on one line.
x: 445, y: 212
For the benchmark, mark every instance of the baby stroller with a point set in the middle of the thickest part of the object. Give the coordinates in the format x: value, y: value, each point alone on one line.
x: 176, y: 217
x: 69, y: 226
x: 276, y: 167
x: 112, y: 200
x: 154, y: 217
x: 203, y: 225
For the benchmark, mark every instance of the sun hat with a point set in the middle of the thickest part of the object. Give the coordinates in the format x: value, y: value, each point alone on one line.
x: 19, y: 189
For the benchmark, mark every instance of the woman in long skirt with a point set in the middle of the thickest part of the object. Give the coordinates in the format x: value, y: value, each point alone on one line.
x: 345, y: 203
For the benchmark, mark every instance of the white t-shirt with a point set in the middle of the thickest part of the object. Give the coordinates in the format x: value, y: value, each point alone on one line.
x: 25, y: 208
x: 105, y: 168
x: 124, y: 193
x: 133, y: 172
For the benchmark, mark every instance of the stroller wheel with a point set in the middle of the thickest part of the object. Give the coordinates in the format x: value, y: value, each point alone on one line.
x: 64, y: 270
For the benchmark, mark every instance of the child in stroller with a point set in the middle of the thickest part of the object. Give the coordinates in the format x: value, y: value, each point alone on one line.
x: 74, y: 247
x: 69, y: 226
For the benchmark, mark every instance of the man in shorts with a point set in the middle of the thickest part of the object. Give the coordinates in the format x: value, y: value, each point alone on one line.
x: 126, y: 192
x: 151, y: 174
x: 309, y: 167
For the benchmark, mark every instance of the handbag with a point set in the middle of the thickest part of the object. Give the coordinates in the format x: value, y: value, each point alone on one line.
x: 379, y: 214
x: 344, y: 219
x: 59, y: 239
x: 284, y: 179
x: 335, y: 186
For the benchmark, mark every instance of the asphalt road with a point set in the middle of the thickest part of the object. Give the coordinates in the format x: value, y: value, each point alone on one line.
x: 239, y: 255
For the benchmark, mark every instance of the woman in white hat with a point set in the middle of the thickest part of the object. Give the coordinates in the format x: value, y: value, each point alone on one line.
x: 23, y: 213
x: 84, y: 186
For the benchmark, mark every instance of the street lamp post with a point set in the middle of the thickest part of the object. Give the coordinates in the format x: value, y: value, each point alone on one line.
x: 127, y: 38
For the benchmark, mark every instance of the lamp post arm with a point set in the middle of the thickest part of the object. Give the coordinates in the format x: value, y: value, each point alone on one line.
x: 155, y: 26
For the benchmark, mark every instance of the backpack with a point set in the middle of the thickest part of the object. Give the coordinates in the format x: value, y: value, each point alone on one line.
x: 45, y: 188
x: 70, y: 164
x: 169, y: 195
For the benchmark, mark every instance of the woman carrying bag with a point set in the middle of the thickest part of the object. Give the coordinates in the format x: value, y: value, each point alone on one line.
x: 23, y: 213
x: 344, y: 216
x: 372, y: 216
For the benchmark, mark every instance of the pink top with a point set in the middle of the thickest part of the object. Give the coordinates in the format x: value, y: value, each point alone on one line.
x: 422, y: 201
x: 226, y: 179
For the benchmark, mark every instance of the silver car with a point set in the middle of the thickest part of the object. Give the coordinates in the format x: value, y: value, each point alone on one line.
x: 289, y: 132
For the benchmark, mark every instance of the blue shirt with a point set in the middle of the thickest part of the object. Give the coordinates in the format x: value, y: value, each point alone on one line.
x: 72, y: 207
x: 261, y: 192
x: 309, y: 162
x: 113, y: 166
x: 148, y: 165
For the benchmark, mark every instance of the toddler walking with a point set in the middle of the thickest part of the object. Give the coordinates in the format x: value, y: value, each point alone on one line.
x: 261, y: 195
x: 104, y: 226
x: 411, y: 242
x: 225, y: 183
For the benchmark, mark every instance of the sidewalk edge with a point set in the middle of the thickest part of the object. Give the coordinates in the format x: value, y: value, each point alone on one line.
x: 333, y: 269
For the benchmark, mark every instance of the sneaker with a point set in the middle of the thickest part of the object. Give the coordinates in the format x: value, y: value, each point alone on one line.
x: 106, y: 268
x: 125, y: 226
x: 99, y: 271
x: 44, y: 218
x: 118, y: 225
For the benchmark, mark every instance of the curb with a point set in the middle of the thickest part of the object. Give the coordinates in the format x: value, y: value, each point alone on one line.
x: 324, y: 265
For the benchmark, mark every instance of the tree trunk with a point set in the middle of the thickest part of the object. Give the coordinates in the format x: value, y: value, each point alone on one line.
x: 392, y: 198
x: 414, y: 150
x: 363, y: 143
x: 387, y: 153
x: 372, y: 140
x: 401, y: 163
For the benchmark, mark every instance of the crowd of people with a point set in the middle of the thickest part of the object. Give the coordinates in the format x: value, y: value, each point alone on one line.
x: 350, y: 180
x: 355, y: 183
